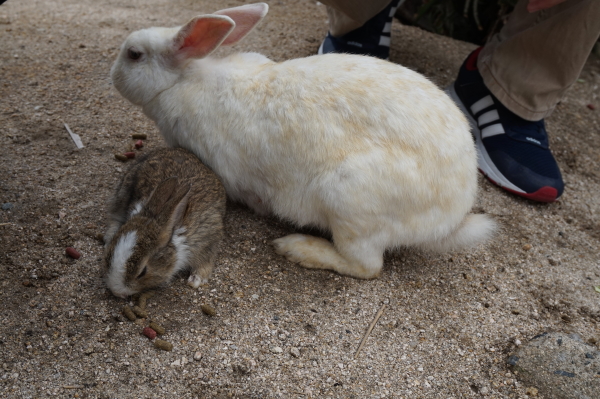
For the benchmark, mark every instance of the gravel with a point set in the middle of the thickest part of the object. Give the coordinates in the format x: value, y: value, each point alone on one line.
x: 449, y: 324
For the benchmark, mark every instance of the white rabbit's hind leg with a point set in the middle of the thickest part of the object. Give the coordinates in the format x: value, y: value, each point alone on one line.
x: 318, y: 253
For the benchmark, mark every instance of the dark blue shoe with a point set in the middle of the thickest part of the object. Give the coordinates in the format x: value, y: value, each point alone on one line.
x: 512, y: 152
x: 372, y: 39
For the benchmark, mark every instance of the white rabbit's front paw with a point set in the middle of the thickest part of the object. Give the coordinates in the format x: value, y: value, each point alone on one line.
x: 196, y: 281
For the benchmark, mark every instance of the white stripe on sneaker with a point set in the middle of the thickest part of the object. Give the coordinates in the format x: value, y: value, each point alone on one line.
x: 492, y: 130
x: 387, y: 28
x: 384, y: 41
x: 393, y: 11
x: 488, y: 117
x: 482, y: 104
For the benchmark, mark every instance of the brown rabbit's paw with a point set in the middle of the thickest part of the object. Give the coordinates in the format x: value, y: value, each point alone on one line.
x: 196, y: 281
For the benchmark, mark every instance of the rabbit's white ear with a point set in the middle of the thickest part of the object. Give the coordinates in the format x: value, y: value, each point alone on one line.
x: 202, y: 35
x: 246, y: 17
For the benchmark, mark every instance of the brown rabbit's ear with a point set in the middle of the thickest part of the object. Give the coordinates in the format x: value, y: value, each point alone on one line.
x: 167, y: 205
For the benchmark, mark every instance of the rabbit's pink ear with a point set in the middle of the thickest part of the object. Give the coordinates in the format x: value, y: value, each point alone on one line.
x: 246, y: 17
x: 202, y: 35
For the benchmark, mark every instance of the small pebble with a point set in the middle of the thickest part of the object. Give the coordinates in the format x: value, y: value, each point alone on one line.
x: 127, y: 312
x: 160, y: 330
x: 276, y: 349
x: 27, y: 283
x: 295, y: 352
x: 209, y: 310
x: 121, y: 157
x: 139, y: 136
x: 526, y: 247
x: 7, y: 206
x: 164, y: 345
x: 197, y: 356
x: 531, y: 391
x: 72, y: 252
x: 149, y: 332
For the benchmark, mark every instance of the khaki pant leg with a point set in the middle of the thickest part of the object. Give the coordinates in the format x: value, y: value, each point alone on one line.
x: 537, y: 56
x: 347, y: 15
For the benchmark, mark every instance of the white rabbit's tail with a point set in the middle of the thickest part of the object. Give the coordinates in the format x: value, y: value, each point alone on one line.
x: 473, y: 230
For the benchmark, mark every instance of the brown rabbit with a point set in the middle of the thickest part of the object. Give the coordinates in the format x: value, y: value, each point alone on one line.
x: 166, y: 217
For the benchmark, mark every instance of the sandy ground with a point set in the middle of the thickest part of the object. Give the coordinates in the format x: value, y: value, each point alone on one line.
x: 280, y: 330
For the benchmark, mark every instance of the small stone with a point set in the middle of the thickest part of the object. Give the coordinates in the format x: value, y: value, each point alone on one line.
x: 176, y: 363
x: 552, y: 261
x: 276, y: 349
x: 515, y: 311
x: 197, y: 356
x: 527, y: 247
x: 208, y: 310
x: 7, y: 206
x: 591, y: 106
x: 531, y: 391
x: 27, y: 283
x: 295, y: 352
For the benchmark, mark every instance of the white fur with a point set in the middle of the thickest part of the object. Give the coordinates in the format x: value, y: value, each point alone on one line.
x: 367, y: 149
x: 182, y: 250
x: 116, y: 273
x: 137, y: 208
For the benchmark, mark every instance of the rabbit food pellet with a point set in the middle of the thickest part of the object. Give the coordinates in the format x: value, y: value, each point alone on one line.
x: 139, y: 136
x: 164, y: 345
x: 130, y: 154
x: 149, y: 332
x: 209, y: 310
x: 121, y: 157
x: 129, y: 313
x: 72, y: 252
x: 139, y: 312
x: 144, y: 296
x: 160, y: 330
x: 139, y: 144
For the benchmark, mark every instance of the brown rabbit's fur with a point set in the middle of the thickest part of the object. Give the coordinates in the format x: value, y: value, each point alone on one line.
x: 166, y: 190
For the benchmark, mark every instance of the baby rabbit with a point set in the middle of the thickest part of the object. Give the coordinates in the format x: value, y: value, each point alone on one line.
x: 364, y: 148
x: 166, y: 217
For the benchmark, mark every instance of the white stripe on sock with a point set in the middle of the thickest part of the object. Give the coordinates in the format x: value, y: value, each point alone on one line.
x: 488, y: 117
x: 387, y: 28
x: 482, y: 104
x: 384, y: 41
x: 492, y: 130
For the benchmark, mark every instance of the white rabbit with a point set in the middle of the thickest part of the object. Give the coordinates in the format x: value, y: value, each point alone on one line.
x: 364, y: 148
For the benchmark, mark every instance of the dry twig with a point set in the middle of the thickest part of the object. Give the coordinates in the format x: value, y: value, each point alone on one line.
x: 362, y: 343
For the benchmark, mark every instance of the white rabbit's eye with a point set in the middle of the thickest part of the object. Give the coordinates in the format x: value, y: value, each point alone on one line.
x: 133, y: 54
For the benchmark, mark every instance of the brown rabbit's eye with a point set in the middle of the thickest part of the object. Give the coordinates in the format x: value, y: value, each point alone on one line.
x: 143, y: 273
x: 133, y: 54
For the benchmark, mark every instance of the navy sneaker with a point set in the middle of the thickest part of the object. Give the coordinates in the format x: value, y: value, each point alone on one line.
x: 373, y: 38
x: 512, y: 152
